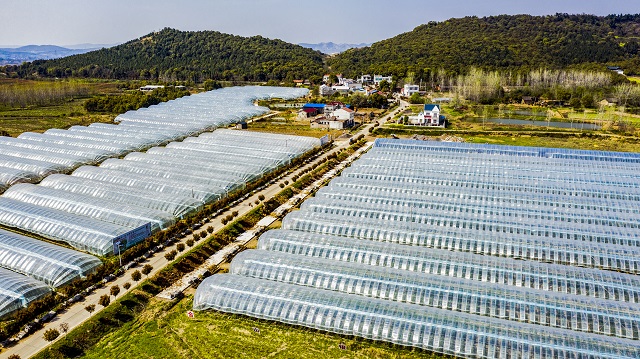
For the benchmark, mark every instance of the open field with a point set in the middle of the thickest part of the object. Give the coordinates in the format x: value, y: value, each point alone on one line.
x: 289, y: 125
x: 40, y: 105
x: 163, y: 332
x: 40, y: 119
x: 612, y: 143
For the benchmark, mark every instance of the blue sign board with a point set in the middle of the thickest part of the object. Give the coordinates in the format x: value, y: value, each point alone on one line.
x: 127, y: 240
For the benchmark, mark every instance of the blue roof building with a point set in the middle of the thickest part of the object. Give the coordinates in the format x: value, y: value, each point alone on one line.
x: 314, y: 105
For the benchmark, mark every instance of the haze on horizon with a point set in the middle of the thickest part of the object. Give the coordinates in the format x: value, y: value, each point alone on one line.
x: 70, y: 22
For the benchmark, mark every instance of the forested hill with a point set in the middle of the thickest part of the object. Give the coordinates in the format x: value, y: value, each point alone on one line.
x: 501, y: 42
x: 172, y: 55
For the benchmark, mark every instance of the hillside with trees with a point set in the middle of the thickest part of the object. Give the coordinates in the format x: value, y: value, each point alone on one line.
x: 514, y: 42
x: 173, y: 55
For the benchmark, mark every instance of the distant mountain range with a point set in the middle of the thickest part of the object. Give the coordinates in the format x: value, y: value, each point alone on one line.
x: 331, y: 48
x: 18, y: 55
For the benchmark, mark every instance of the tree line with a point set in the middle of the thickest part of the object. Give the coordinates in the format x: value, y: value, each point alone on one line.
x: 515, y: 42
x: 32, y: 93
x: 132, y: 100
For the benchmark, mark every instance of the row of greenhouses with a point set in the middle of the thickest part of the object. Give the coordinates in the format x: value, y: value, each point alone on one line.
x: 476, y: 251
x: 32, y: 157
x: 142, y: 193
x: 29, y: 268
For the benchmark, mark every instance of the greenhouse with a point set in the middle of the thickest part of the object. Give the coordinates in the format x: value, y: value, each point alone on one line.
x: 105, y: 210
x: 213, y: 179
x: 38, y: 167
x: 251, y: 163
x: 477, y: 251
x: 246, y: 171
x: 434, y: 329
x: 461, y: 295
x: 112, y: 149
x: 17, y: 291
x: 514, y: 273
x: 561, y: 251
x: 176, y: 205
x: 81, y: 232
x: 208, y: 110
x: 11, y: 176
x: 68, y: 161
x: 201, y: 192
x: 61, y: 151
x: 97, y: 205
x: 46, y: 262
x: 87, y: 155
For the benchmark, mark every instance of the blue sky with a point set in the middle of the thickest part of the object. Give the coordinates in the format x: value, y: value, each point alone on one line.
x: 67, y: 22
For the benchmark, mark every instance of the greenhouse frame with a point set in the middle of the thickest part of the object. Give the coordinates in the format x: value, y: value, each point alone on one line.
x: 436, y: 330
x: 17, y: 291
x: 523, y: 305
x: 46, y: 262
x: 477, y: 251
x: 62, y: 151
x: 81, y: 232
x: 177, y: 206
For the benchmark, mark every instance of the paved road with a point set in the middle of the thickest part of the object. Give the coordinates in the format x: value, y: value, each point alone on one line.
x: 76, y: 314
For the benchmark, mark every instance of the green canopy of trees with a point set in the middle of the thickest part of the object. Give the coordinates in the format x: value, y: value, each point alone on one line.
x: 132, y: 100
x: 173, y: 55
x: 516, y: 42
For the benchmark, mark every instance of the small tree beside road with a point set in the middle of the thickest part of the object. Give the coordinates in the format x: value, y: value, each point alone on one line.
x: 104, y: 300
x: 115, y: 290
x: 51, y: 335
x: 147, y: 269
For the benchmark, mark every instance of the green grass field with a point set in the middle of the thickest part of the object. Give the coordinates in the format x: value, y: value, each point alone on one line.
x: 612, y: 143
x: 42, y: 118
x: 37, y: 106
x: 160, y: 333
x: 298, y: 128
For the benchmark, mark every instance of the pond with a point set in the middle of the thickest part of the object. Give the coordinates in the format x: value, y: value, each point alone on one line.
x: 574, y: 125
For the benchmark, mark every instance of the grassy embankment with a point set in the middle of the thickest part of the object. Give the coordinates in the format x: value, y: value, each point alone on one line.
x: 167, y: 332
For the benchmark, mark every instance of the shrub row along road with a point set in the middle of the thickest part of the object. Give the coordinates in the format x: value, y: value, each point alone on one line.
x: 76, y: 314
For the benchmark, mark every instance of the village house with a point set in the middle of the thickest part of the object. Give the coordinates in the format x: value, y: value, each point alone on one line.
x: 377, y: 79
x: 307, y: 112
x: 365, y: 79
x: 326, y: 90
x: 346, y: 115
x: 429, y: 116
x: 319, y: 107
x: 409, y: 90
x: 330, y: 122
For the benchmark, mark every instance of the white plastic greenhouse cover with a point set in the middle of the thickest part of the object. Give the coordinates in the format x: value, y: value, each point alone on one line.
x: 46, y: 262
x: 17, y: 291
x: 434, y: 329
x: 81, y: 232
x: 470, y: 250
x: 516, y: 273
x: 105, y: 210
x: 61, y: 151
x: 177, y: 206
x: 94, y: 206
x: 460, y: 295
